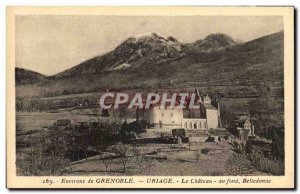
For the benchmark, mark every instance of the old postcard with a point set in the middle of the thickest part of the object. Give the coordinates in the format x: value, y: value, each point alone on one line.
x: 150, y: 97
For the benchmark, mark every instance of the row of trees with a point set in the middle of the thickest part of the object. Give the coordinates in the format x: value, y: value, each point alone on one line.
x: 48, y: 152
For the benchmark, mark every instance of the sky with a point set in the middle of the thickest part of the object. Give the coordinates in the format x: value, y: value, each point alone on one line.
x: 51, y: 44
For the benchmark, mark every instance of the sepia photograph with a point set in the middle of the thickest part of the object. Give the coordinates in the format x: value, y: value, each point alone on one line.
x: 150, y: 97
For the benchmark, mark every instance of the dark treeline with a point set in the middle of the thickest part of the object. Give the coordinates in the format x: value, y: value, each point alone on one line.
x: 47, y: 153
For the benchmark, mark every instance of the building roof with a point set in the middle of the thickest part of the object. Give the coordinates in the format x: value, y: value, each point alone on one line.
x: 241, y: 122
x: 209, y: 106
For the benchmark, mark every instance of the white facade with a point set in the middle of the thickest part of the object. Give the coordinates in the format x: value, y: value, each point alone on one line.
x: 166, y: 118
x: 245, y: 130
x: 212, y: 118
x: 249, y: 127
x: 192, y: 123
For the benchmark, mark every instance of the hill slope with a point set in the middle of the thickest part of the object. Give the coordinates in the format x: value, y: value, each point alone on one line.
x: 151, y: 61
x: 27, y: 76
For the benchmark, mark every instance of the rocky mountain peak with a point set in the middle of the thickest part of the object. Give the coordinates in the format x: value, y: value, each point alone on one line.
x: 212, y: 42
x: 220, y: 38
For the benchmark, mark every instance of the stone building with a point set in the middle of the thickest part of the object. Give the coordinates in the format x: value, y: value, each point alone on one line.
x: 205, y: 117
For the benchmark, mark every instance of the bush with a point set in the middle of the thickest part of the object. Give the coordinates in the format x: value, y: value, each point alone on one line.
x: 204, y: 151
x: 239, y: 147
x: 275, y: 167
x: 239, y: 165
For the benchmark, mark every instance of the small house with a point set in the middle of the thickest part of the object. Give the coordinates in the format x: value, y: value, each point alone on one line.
x: 245, y: 129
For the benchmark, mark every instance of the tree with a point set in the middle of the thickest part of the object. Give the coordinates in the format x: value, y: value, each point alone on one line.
x: 34, y: 161
x: 266, y: 112
x: 267, y: 115
x: 56, y: 149
x: 105, y: 158
x: 122, y: 151
x: 149, y: 163
x: 124, y: 128
x: 137, y: 113
x: 278, y: 144
x: 227, y: 117
x: 248, y: 147
x: 123, y: 113
x: 83, y: 141
x: 140, y: 161
x: 197, y: 155
x: 136, y: 152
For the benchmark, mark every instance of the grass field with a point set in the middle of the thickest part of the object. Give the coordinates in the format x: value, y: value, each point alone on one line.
x: 38, y: 120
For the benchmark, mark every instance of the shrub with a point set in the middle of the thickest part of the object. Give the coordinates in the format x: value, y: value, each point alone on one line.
x: 204, y: 151
x: 226, y: 137
x: 198, y: 154
x: 239, y: 165
x: 239, y: 147
x: 275, y: 167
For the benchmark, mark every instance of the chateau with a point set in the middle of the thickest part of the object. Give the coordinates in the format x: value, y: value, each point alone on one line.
x: 205, y: 117
x: 191, y: 112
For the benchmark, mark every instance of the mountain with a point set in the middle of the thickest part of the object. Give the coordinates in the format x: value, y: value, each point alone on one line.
x: 213, y: 42
x: 27, y: 76
x: 147, y: 49
x: 142, y: 49
x: 216, y: 64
